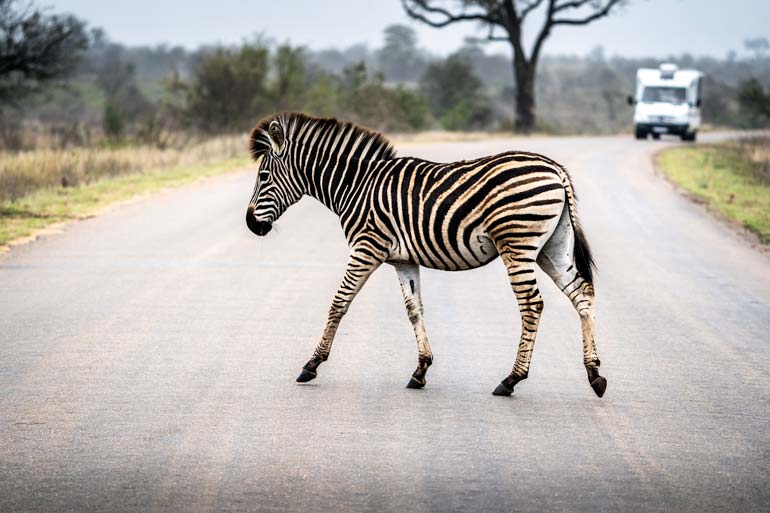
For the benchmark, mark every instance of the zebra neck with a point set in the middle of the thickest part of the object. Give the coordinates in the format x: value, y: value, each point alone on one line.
x: 337, y: 184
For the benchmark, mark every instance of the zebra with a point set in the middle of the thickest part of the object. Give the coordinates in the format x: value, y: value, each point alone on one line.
x: 413, y: 213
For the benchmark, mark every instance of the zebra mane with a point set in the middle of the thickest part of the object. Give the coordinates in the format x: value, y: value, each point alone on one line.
x: 296, y: 125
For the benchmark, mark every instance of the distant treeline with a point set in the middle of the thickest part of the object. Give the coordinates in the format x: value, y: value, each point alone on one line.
x: 152, y: 95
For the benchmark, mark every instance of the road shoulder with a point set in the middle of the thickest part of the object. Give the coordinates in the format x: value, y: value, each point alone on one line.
x: 722, y: 179
x: 50, y: 211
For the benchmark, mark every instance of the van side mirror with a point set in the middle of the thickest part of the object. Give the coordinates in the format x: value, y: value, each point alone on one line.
x: 631, y: 100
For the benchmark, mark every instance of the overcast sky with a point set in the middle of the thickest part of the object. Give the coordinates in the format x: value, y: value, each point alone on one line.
x: 644, y: 28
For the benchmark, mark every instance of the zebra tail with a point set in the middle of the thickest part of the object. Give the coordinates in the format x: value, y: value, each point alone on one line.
x: 582, y: 252
x: 583, y: 260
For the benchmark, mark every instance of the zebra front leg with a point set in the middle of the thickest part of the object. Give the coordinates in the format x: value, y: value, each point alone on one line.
x: 524, y: 285
x: 360, y: 266
x: 409, y: 277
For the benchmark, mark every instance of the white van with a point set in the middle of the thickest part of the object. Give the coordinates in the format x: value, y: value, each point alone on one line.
x: 668, y: 101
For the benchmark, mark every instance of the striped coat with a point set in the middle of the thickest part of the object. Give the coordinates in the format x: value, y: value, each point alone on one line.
x: 409, y: 212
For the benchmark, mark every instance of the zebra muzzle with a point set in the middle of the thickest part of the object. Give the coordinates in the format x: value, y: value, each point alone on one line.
x: 260, y: 228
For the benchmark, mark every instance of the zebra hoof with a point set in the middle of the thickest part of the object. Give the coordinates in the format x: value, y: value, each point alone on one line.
x: 502, y: 390
x: 306, y: 375
x: 414, y: 383
x: 599, y: 385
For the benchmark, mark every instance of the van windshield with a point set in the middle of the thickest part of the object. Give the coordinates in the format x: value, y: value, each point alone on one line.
x: 664, y: 94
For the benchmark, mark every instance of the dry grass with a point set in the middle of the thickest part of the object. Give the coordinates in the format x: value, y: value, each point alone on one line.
x: 757, y: 150
x: 441, y: 136
x: 37, y: 211
x: 26, y: 172
x: 45, y: 187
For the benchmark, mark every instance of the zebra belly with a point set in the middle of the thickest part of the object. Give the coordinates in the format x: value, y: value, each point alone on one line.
x: 483, y: 247
x: 478, y: 251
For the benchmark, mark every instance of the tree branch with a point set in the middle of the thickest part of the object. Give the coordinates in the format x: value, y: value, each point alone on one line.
x: 574, y: 4
x: 545, y: 31
x: 604, y: 11
x: 533, y: 4
x: 492, y: 37
x: 514, y: 30
x: 449, y: 18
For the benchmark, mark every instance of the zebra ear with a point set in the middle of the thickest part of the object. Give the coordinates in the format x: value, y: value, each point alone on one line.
x: 276, y: 136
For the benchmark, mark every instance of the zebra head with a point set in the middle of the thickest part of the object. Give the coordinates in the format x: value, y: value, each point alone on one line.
x: 277, y: 188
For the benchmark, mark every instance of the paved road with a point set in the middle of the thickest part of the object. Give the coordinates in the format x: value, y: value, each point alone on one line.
x: 148, y: 357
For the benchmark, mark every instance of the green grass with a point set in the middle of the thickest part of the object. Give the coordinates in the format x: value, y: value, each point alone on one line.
x: 732, y: 178
x: 28, y: 214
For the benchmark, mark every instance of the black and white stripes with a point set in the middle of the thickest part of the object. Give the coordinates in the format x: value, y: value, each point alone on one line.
x: 410, y: 213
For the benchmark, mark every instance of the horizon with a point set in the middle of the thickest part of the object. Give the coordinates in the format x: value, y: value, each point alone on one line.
x: 706, y: 36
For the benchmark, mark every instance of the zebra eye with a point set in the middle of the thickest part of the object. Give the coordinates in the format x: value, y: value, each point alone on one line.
x: 276, y: 134
x: 264, y: 176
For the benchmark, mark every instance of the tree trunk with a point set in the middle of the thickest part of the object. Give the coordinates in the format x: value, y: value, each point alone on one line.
x: 524, y: 77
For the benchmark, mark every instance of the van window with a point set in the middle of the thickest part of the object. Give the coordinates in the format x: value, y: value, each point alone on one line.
x: 665, y: 94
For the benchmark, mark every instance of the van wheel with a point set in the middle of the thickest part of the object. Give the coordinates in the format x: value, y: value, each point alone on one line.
x: 656, y: 136
x: 640, y: 134
x: 690, y: 136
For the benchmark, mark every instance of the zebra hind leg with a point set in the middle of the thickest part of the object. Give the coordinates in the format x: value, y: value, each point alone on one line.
x: 521, y: 273
x: 557, y: 260
x: 409, y: 278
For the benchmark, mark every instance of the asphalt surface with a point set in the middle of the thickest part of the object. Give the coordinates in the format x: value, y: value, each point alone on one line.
x: 148, y: 357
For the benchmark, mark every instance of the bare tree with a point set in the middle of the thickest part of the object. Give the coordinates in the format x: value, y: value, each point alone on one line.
x: 504, y: 21
x: 758, y: 45
x: 35, y: 48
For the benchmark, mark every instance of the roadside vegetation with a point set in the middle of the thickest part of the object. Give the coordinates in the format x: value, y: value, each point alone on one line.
x: 102, y: 178
x: 23, y: 173
x: 732, y: 178
x: 110, y: 93
x: 87, y: 120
